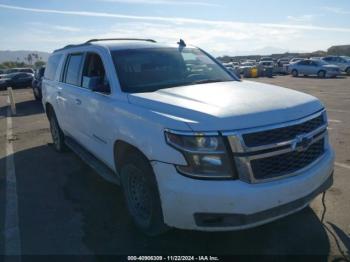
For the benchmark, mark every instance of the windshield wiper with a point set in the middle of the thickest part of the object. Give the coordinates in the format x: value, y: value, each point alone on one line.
x: 204, y: 81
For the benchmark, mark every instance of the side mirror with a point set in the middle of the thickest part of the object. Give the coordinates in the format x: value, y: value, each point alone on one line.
x: 102, y: 88
x: 96, y: 84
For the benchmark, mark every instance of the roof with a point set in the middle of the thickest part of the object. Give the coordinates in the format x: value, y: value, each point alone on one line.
x: 119, y: 44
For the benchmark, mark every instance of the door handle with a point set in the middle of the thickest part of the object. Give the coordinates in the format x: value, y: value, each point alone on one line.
x: 78, y: 101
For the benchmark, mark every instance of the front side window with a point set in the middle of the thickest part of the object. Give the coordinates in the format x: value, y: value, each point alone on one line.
x: 73, y: 69
x: 151, y: 69
x: 94, y: 74
x: 303, y: 62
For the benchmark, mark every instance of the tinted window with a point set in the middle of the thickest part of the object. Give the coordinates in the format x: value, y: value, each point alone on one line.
x: 73, y: 68
x: 303, y: 62
x: 94, y: 74
x: 52, y: 65
x: 147, y: 70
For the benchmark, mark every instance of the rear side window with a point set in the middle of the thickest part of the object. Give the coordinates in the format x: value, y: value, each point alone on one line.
x: 73, y: 69
x: 52, y: 65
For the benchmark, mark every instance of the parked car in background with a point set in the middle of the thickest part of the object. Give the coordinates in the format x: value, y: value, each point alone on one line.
x: 282, y: 65
x: 266, y: 68
x: 23, y: 70
x: 3, y: 75
x: 313, y: 67
x: 233, y: 67
x: 36, y: 83
x: 245, y: 65
x: 266, y: 58
x: 283, y: 61
x: 196, y: 150
x: 342, y: 61
x: 16, y: 80
x: 295, y: 59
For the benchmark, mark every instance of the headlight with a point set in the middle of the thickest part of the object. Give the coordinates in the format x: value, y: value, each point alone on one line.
x: 206, y: 155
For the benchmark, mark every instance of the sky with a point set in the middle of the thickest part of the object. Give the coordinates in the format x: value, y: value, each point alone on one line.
x: 222, y: 27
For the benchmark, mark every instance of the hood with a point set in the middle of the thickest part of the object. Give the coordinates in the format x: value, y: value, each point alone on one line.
x: 228, y: 105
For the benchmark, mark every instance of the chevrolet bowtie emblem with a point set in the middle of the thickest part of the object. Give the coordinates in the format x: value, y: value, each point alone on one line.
x: 301, y: 143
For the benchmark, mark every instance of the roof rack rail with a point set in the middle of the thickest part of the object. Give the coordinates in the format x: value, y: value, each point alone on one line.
x: 105, y: 39
x: 70, y: 46
x: 120, y: 39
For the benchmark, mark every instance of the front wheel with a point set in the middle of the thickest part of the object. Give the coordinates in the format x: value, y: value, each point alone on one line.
x: 141, y: 194
x: 295, y: 73
x: 321, y: 74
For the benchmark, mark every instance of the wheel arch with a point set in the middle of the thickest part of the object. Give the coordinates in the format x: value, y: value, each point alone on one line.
x: 48, y: 109
x: 121, y: 148
x: 322, y: 70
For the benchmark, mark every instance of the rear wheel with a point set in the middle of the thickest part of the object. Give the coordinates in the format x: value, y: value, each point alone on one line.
x: 141, y: 194
x: 56, y: 133
x: 321, y: 74
x: 295, y: 73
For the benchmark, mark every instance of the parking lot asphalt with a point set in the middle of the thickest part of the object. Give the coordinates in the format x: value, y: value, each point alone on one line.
x: 66, y: 208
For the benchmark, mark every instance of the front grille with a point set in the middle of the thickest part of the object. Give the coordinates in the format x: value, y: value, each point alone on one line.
x: 275, y: 166
x: 282, y: 134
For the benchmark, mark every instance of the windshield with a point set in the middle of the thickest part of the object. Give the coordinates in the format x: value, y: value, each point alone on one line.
x: 151, y: 69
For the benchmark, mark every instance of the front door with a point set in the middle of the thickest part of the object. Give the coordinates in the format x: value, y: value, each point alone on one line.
x: 95, y: 113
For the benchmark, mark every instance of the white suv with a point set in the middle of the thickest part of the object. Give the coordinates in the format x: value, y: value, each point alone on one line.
x: 191, y: 145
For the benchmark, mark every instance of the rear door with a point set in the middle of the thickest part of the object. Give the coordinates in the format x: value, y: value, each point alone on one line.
x: 302, y: 67
x: 313, y: 68
x: 69, y: 93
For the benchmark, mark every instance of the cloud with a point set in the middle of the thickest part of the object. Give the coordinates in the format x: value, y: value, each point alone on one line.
x: 176, y: 20
x: 163, y: 2
x: 66, y: 28
x: 218, y: 37
x: 302, y: 18
x: 336, y: 10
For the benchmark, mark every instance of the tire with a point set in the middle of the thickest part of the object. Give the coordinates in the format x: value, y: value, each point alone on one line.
x: 321, y: 74
x: 347, y: 71
x: 141, y: 194
x: 56, y: 133
x: 295, y: 73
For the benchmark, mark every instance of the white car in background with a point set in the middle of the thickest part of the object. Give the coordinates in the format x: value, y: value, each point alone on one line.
x: 191, y: 146
x: 309, y: 67
x: 342, y: 61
